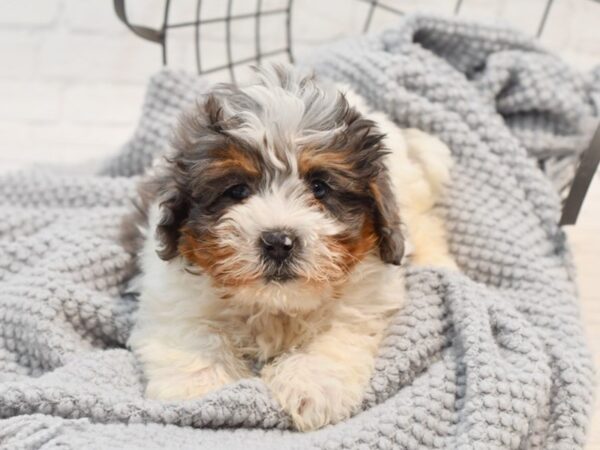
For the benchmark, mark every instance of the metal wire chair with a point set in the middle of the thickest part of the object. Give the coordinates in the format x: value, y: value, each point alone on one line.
x: 160, y: 36
x: 573, y: 193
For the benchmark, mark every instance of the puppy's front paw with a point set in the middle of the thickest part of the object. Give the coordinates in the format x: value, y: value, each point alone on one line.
x: 312, y: 391
x: 185, y: 386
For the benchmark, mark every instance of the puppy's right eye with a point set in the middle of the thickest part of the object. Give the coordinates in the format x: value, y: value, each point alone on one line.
x: 238, y: 192
x: 319, y: 188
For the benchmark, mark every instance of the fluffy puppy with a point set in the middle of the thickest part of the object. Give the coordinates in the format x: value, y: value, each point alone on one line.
x: 272, y: 234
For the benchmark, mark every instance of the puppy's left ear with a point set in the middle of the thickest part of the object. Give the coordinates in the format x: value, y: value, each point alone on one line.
x: 387, y: 220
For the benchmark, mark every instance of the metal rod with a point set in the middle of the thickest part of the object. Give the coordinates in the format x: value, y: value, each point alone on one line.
x: 228, y: 40
x: 385, y: 7
x: 544, y: 17
x: 288, y: 23
x: 257, y: 31
x: 458, y: 6
x: 223, y: 19
x: 370, y: 16
x: 164, y: 32
x: 583, y: 178
x: 197, y: 36
x: 245, y: 60
x: 150, y: 34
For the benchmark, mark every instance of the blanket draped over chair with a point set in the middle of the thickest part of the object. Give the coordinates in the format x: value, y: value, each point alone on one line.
x: 489, y: 357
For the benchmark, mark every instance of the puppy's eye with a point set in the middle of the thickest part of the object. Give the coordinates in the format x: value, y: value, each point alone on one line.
x: 238, y: 192
x: 319, y: 188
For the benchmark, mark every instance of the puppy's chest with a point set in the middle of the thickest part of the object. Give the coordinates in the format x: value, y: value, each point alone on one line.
x: 266, y: 336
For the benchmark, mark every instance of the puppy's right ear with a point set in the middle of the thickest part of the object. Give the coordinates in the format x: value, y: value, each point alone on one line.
x: 174, y: 205
x: 199, y: 130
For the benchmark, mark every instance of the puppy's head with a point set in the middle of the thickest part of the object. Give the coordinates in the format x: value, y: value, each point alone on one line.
x: 277, y: 187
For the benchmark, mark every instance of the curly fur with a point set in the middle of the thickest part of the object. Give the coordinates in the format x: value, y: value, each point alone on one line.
x: 209, y: 302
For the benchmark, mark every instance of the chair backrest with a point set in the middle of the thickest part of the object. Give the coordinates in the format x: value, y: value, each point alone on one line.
x: 573, y: 186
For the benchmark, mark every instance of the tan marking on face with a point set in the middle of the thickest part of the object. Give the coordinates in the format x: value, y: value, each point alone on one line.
x: 233, y: 158
x: 354, y: 249
x: 309, y: 160
x: 351, y: 249
x: 213, y: 258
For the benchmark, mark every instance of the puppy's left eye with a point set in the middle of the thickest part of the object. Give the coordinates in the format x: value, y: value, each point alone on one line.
x: 238, y: 192
x: 319, y: 188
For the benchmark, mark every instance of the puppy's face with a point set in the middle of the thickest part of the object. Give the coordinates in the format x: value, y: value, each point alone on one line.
x: 278, y: 184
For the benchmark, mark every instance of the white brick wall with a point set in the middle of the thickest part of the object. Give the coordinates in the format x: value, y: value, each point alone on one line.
x: 30, y: 101
x: 19, y: 13
x: 72, y: 77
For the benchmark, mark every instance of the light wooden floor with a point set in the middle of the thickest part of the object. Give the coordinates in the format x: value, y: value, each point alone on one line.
x: 585, y: 241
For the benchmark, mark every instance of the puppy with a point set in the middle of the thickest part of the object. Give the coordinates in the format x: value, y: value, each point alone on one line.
x: 272, y: 234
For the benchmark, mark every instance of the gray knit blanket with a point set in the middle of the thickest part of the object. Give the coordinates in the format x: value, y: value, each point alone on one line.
x: 489, y: 357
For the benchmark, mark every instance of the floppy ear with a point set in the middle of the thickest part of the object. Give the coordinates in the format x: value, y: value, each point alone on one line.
x: 387, y: 220
x: 197, y: 127
x: 174, y: 211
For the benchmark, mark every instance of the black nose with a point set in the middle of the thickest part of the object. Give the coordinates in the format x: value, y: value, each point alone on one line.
x: 277, y: 244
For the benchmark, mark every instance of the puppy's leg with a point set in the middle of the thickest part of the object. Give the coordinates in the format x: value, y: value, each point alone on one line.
x: 325, y: 382
x: 184, y: 363
x: 182, y: 351
x: 426, y: 230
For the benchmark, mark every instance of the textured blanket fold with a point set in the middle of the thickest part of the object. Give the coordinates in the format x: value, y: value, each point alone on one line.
x: 492, y: 356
